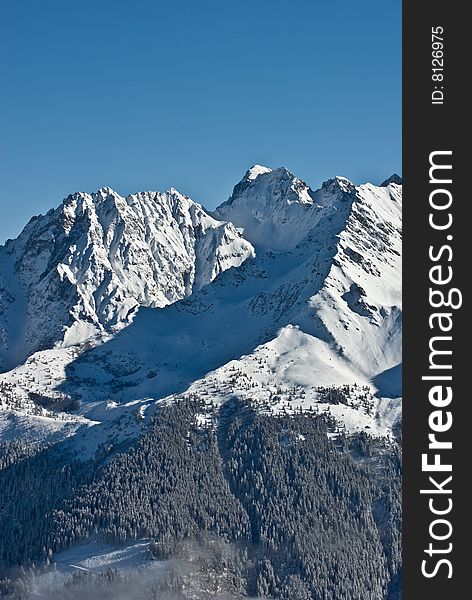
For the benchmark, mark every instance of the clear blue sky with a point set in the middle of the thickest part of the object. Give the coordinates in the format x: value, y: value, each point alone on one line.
x: 149, y: 94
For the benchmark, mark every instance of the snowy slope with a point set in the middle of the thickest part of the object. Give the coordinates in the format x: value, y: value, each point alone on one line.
x: 318, y: 306
x: 87, y: 266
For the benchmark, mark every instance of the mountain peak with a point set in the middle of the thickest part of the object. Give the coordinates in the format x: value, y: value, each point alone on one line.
x: 338, y: 184
x: 89, y: 199
x: 173, y: 192
x: 106, y: 191
x: 276, y: 185
x: 255, y: 171
x: 264, y: 203
x: 260, y: 175
x: 395, y: 178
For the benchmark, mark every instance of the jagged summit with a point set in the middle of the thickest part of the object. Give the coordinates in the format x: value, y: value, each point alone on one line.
x: 279, y: 180
x: 392, y: 179
x: 277, y: 210
x: 338, y: 184
x: 267, y: 207
x: 255, y: 171
x: 107, y: 193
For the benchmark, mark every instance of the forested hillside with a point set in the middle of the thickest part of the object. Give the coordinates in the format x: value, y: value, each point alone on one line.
x: 270, y: 505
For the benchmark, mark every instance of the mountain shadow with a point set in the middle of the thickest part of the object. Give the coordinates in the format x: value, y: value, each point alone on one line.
x: 164, y: 350
x: 389, y: 382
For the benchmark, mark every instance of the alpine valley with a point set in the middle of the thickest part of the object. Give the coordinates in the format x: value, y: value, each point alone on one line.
x: 201, y: 404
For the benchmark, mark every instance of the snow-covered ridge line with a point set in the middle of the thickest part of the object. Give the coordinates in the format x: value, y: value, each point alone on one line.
x: 319, y: 304
x: 276, y: 210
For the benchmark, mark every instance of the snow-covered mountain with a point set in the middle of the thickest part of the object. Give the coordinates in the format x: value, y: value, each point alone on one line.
x: 276, y: 209
x: 87, y: 266
x: 317, y: 306
x: 164, y: 371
